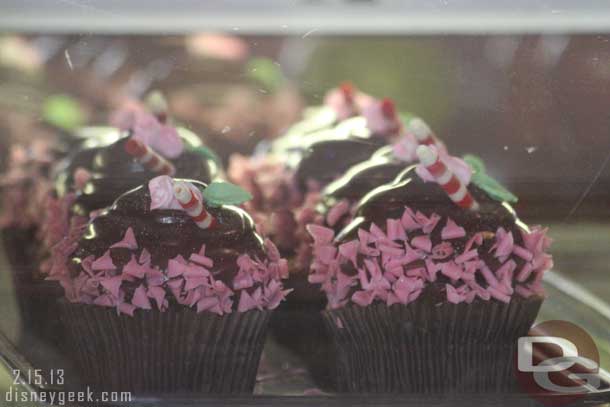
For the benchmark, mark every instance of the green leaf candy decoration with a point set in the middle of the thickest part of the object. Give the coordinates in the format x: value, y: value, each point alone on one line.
x: 63, y: 111
x: 492, y: 187
x: 224, y: 193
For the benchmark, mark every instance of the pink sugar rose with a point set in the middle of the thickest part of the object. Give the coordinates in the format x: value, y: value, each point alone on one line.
x: 162, y: 193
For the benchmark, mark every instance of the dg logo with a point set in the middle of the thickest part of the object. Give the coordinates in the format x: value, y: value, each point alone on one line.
x: 557, y: 363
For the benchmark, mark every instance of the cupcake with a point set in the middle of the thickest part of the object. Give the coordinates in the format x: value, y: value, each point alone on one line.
x: 434, y: 274
x: 170, y: 290
x: 141, y: 146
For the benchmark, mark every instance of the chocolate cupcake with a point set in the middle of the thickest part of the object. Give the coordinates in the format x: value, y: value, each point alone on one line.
x: 114, y: 161
x: 434, y: 274
x: 170, y: 290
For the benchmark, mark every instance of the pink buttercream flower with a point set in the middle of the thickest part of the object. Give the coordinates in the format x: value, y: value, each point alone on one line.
x: 404, y: 148
x: 160, y: 137
x: 147, y: 128
x: 162, y: 193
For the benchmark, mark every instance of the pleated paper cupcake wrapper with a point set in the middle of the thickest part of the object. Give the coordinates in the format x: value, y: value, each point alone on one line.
x: 176, y: 351
x: 424, y: 347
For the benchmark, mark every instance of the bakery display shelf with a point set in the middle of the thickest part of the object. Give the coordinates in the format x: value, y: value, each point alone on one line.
x: 285, y: 381
x: 305, y: 17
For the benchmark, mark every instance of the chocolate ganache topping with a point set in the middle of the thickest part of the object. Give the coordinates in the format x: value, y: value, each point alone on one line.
x: 408, y: 189
x: 113, y: 171
x: 361, y: 178
x: 167, y: 233
x: 328, y: 154
x: 131, y: 254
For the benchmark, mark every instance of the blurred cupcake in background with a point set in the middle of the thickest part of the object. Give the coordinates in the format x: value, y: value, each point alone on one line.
x: 24, y: 185
x: 239, y: 110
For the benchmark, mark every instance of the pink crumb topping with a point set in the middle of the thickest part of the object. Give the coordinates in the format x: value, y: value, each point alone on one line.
x: 189, y: 282
x: 395, y: 265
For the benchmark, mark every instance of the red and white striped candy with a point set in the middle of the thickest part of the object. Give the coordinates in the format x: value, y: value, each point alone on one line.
x: 348, y: 91
x: 423, y: 134
x: 451, y: 184
x: 192, y: 205
x: 149, y: 158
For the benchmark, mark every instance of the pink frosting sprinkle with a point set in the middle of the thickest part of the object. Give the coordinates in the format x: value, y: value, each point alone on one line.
x: 337, y: 211
x: 422, y: 242
x: 384, y: 270
x: 320, y: 234
x: 452, y: 230
x: 139, y: 285
x: 104, y: 263
x: 128, y: 241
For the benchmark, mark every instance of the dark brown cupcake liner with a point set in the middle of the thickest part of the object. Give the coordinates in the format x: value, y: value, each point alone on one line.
x: 176, y: 351
x: 425, y: 347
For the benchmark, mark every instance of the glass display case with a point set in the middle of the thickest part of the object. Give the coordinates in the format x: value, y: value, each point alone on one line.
x: 308, y: 202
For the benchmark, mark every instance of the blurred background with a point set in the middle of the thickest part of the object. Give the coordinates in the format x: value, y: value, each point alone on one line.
x: 534, y: 106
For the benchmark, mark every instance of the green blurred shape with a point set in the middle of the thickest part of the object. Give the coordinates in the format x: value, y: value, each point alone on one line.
x: 63, y: 112
x: 416, y: 72
x: 266, y: 72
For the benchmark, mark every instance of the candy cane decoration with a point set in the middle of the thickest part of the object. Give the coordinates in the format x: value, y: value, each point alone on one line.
x: 423, y: 134
x: 348, y: 92
x: 388, y: 108
x: 451, y: 184
x: 192, y: 205
x: 149, y: 158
